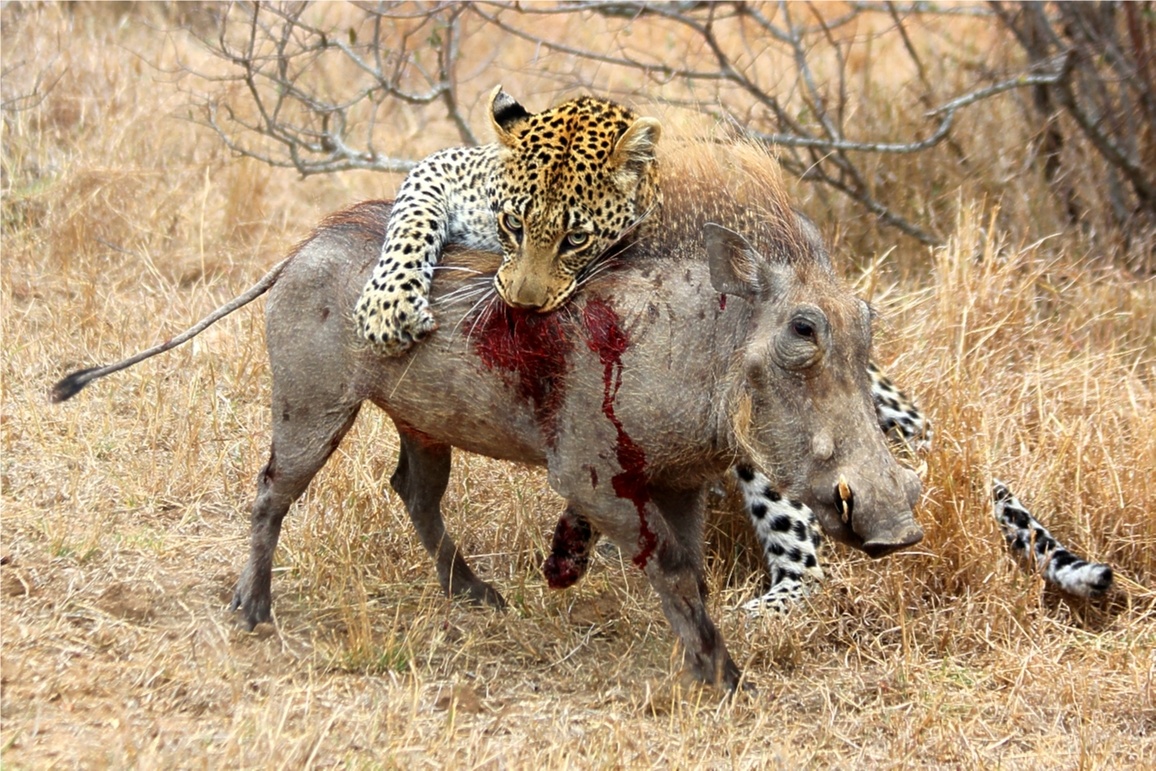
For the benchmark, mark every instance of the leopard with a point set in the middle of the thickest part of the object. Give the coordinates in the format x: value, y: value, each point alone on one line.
x: 556, y: 191
x: 1032, y: 543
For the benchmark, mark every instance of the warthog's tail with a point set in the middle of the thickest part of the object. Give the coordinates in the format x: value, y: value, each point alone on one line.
x: 69, y: 386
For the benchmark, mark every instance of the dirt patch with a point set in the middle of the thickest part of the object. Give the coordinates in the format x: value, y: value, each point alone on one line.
x: 132, y: 603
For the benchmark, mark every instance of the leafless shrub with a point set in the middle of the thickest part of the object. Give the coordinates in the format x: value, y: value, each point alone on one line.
x: 309, y: 88
x: 1105, y: 95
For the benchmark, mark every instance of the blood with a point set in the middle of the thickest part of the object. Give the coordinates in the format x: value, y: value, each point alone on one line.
x: 604, y: 336
x: 722, y: 302
x: 569, y: 552
x: 532, y: 348
x: 420, y: 437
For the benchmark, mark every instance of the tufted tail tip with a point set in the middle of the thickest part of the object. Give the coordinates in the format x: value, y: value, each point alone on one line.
x: 68, y: 387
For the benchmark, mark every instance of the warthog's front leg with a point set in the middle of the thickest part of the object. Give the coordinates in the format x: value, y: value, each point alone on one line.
x: 423, y: 470
x: 574, y: 539
x: 681, y: 583
x: 660, y: 531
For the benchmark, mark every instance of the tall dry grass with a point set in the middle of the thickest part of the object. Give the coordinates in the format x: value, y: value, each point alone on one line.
x: 124, y: 512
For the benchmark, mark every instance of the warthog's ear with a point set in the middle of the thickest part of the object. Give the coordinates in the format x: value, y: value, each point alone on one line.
x: 813, y: 238
x: 505, y: 114
x: 735, y: 265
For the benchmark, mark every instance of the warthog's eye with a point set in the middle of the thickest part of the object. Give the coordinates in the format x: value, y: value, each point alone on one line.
x: 512, y: 223
x: 803, y: 328
x: 803, y: 339
x: 576, y: 240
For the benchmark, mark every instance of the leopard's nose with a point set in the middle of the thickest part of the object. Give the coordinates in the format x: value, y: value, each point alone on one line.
x: 525, y: 292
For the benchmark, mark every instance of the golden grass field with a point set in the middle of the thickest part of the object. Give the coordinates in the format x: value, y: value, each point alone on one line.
x: 125, y: 517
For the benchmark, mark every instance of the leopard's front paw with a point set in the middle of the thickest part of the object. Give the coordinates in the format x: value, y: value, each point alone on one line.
x: 393, y: 323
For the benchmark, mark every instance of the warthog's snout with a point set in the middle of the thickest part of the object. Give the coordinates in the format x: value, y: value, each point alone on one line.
x: 870, y: 514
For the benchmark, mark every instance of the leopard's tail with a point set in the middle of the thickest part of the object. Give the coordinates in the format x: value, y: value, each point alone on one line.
x: 69, y: 386
x: 1031, y: 541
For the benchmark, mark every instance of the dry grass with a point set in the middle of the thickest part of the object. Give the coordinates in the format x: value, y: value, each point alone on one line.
x: 124, y: 512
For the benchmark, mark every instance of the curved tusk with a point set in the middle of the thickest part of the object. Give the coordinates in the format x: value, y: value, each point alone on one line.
x: 845, y: 500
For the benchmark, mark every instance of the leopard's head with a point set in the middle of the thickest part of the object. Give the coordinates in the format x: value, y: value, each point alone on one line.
x: 572, y: 182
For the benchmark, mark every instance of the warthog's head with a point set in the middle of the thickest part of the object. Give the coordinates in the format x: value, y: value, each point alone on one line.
x: 802, y: 409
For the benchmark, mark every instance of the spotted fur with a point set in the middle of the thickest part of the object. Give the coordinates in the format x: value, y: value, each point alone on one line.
x: 1031, y: 542
x: 553, y: 194
x: 898, y: 416
x: 789, y: 535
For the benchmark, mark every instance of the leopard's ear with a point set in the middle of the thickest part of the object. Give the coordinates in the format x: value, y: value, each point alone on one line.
x: 505, y: 114
x: 636, y: 147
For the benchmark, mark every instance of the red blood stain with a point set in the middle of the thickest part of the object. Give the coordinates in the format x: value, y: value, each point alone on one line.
x: 604, y: 336
x: 422, y: 438
x: 569, y: 553
x: 532, y: 349
x: 722, y: 302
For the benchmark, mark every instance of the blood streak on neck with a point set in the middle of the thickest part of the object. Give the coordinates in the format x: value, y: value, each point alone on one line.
x: 605, y: 337
x: 531, y: 349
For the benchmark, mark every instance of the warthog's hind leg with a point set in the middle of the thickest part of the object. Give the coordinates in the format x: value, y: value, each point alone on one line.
x: 302, y: 442
x: 423, y: 470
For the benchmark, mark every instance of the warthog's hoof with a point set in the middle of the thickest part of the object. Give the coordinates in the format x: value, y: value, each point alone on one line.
x: 252, y: 612
x: 479, y: 593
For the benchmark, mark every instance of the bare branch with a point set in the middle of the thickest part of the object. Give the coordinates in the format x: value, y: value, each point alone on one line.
x: 304, y: 91
x: 34, y: 95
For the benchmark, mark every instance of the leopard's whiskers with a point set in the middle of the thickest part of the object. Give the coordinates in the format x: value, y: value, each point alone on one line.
x: 486, y: 310
x: 465, y: 292
x: 593, y: 271
x: 485, y: 297
x: 461, y: 268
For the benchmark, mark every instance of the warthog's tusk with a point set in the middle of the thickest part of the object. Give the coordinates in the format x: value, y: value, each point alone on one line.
x: 845, y: 500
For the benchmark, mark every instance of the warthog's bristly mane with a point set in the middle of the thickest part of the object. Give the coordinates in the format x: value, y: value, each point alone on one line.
x: 738, y: 185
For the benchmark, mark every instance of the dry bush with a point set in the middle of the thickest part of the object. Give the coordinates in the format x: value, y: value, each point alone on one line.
x: 124, y: 512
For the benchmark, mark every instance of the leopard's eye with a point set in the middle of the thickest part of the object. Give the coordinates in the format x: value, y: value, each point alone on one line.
x: 512, y: 222
x: 577, y: 239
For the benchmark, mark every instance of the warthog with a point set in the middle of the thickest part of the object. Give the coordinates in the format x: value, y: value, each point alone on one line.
x: 696, y: 349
